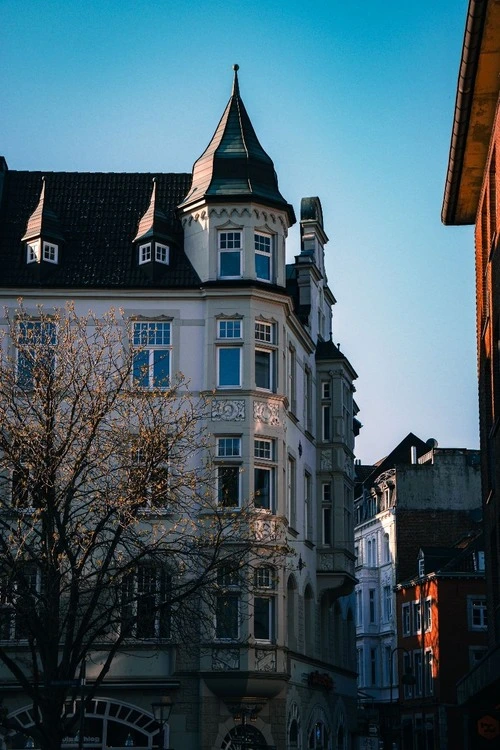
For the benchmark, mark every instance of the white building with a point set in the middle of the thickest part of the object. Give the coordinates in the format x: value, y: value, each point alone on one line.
x: 202, y: 257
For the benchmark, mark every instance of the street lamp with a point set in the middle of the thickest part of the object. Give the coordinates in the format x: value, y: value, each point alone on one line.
x: 161, y: 711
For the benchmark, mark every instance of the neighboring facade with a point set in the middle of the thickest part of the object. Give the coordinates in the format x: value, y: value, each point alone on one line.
x: 417, y: 495
x: 472, y: 197
x: 442, y: 633
x: 202, y: 256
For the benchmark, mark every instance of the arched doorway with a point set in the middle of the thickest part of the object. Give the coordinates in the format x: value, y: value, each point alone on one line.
x: 244, y: 737
x: 108, y: 724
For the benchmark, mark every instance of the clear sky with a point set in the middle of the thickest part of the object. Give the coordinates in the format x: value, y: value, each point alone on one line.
x: 352, y: 100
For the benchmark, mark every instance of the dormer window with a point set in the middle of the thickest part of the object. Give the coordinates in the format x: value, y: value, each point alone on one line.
x: 144, y: 253
x: 50, y: 252
x: 162, y: 253
x: 32, y: 252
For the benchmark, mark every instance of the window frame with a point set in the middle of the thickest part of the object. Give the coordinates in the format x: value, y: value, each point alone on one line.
x: 33, y: 252
x: 406, y: 619
x: 265, y: 349
x: 162, y: 253
x: 223, y: 235
x: 141, y: 612
x: 144, y: 376
x: 267, y: 464
x: 29, y: 346
x: 145, y: 252
x: 477, y: 604
x: 260, y: 238
x: 50, y: 252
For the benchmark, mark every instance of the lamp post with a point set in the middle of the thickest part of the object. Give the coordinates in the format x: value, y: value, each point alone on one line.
x: 407, y: 679
x: 161, y: 712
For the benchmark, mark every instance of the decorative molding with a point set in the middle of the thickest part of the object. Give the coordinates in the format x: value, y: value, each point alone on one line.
x: 226, y: 410
x: 265, y: 660
x: 225, y: 658
x: 266, y: 412
x: 326, y: 463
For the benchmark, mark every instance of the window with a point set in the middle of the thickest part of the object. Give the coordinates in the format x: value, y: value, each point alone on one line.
x: 417, y: 664
x: 360, y: 666
x: 408, y: 686
x: 264, y: 356
x: 32, y: 252
x: 263, y: 256
x: 228, y: 486
x: 307, y: 505
x: 292, y: 378
x: 421, y: 567
x: 21, y: 495
x: 150, y: 479
x: 151, y: 367
x: 371, y: 552
x: 228, y: 446
x: 144, y: 253
x: 478, y: 619
x: 228, y: 367
x: 230, y: 255
x: 18, y: 601
x: 145, y: 613
x: 387, y: 594
x: 264, y: 474
x: 325, y: 389
x: 371, y: 604
x: 264, y: 606
x: 429, y: 682
x: 387, y: 548
x: 428, y: 614
x: 387, y: 665
x: 227, y: 605
x: 417, y: 617
x: 36, y: 352
x: 50, y: 252
x: 292, y: 491
x: 229, y: 329
x: 476, y: 654
x: 359, y: 607
x: 307, y: 399
x: 327, y: 526
x: 405, y: 618
x: 162, y: 253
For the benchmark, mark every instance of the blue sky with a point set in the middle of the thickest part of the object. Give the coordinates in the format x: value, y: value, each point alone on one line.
x: 353, y: 102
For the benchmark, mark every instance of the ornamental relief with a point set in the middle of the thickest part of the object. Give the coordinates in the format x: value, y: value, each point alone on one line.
x: 266, y: 412
x: 225, y: 658
x: 265, y: 660
x: 326, y: 462
x: 226, y: 410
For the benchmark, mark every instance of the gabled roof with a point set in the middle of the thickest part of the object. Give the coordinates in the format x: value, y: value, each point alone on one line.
x: 43, y: 221
x: 234, y: 165
x: 99, y: 216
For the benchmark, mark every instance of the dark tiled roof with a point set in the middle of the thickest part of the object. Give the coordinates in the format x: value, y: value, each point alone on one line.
x: 98, y: 215
x: 234, y: 165
x: 328, y: 350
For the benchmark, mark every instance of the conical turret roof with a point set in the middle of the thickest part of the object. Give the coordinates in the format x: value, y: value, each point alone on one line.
x: 234, y: 166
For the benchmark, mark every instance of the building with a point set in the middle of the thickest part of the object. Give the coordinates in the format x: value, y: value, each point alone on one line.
x: 472, y: 197
x: 441, y: 616
x: 204, y: 253
x: 418, y: 495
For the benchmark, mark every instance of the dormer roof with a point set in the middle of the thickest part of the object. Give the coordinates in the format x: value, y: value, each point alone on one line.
x: 43, y: 222
x: 234, y: 166
x: 154, y: 223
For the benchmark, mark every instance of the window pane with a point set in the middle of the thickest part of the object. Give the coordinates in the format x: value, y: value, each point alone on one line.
x: 262, y: 618
x: 228, y: 486
x: 161, y: 368
x: 262, y: 488
x: 262, y: 449
x: 230, y: 264
x: 141, y: 369
x: 229, y: 447
x: 229, y: 329
x: 263, y: 369
x: 229, y: 367
x: 226, y: 617
x: 263, y: 267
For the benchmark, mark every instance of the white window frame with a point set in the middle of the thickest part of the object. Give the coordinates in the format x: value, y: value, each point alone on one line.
x: 359, y: 607
x: 270, y: 601
x: 372, y: 606
x: 264, y: 461
x: 326, y: 418
x: 477, y: 604
x: 416, y: 616
x: 230, y: 329
x: 35, y: 337
x: 228, y: 446
x: 162, y: 253
x: 221, y: 369
x: 292, y: 490
x: 145, y: 253
x: 308, y: 491
x: 236, y: 469
x: 326, y: 390
x: 147, y: 346
x: 33, y: 252
x: 387, y: 598
x: 228, y: 583
x: 406, y: 619
x: 50, y: 252
x: 227, y: 237
x: 260, y: 240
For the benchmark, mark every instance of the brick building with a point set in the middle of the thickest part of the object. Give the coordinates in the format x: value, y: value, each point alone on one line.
x: 472, y: 196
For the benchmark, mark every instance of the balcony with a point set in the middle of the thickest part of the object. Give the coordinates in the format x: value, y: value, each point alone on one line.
x: 335, y: 571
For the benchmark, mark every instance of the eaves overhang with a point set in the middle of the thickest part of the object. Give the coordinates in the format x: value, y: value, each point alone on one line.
x: 475, y: 106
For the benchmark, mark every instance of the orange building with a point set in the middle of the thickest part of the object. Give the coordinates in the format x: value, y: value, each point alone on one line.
x: 442, y: 626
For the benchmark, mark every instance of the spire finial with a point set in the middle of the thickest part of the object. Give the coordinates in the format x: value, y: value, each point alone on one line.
x: 236, y: 87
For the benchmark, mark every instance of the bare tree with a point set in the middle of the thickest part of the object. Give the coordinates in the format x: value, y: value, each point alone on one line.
x: 110, y: 529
